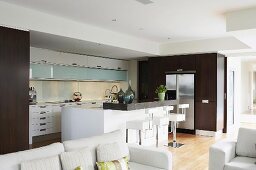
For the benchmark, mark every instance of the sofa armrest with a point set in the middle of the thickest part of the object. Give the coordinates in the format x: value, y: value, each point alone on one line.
x: 154, y: 157
x: 220, y: 154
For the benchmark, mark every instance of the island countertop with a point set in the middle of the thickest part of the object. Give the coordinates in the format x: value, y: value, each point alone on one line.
x: 137, y: 106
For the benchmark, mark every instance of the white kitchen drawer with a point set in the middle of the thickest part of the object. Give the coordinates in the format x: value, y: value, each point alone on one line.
x: 73, y: 59
x: 40, y: 108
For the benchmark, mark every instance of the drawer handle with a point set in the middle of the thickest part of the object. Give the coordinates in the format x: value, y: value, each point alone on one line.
x: 205, y: 101
x: 119, y: 68
x: 42, y: 130
x: 42, y: 106
x: 180, y: 69
x: 99, y: 66
x: 41, y: 113
x: 93, y: 102
x: 42, y: 124
x: 74, y: 64
x: 42, y: 118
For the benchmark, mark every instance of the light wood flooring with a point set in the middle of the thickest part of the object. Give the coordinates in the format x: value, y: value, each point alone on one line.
x: 194, y: 154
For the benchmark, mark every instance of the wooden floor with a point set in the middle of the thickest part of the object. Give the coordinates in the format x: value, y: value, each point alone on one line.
x: 194, y: 154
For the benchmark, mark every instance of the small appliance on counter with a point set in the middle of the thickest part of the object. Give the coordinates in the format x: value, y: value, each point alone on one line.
x: 32, y: 95
x: 77, y: 96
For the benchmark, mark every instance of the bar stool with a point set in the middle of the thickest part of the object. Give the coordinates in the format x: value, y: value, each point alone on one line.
x: 138, y: 125
x: 162, y: 121
x: 175, y: 118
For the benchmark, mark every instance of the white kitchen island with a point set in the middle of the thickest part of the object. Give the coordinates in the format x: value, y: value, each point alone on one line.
x: 81, y: 122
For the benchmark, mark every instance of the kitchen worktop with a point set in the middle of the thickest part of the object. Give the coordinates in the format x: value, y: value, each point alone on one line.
x: 138, y: 105
x: 62, y: 102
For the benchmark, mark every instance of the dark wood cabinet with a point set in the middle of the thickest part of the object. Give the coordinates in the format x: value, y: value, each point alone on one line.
x: 206, y: 77
x: 206, y: 116
x: 14, y: 86
x: 209, y: 84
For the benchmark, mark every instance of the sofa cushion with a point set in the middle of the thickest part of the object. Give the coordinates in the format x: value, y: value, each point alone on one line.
x: 112, y: 151
x: 120, y: 164
x: 72, y: 160
x: 246, y: 143
x: 136, y: 166
x: 50, y: 163
x: 93, y: 142
x: 241, y: 163
x: 12, y: 161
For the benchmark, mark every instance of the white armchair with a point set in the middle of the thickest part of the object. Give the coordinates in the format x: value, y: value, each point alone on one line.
x: 240, y: 155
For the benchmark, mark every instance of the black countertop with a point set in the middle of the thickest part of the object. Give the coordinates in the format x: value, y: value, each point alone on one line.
x: 137, y: 106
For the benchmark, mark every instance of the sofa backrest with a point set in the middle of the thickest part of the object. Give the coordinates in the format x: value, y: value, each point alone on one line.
x: 246, y: 143
x: 92, y: 142
x: 12, y: 161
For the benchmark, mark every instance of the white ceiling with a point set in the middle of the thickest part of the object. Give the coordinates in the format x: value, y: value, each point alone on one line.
x: 181, y: 20
x: 59, y: 43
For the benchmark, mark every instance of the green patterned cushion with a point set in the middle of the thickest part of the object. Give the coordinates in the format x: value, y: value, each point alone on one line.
x: 121, y: 164
x: 79, y: 168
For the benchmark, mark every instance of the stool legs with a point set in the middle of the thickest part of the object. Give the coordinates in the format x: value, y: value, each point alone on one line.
x: 127, y: 131
x: 157, y: 136
x: 140, y: 136
x: 174, y: 143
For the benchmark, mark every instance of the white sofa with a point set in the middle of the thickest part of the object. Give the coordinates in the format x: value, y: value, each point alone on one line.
x: 240, y: 155
x: 141, y: 158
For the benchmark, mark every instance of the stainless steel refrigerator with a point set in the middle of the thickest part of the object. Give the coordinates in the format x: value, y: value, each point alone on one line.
x: 180, y: 87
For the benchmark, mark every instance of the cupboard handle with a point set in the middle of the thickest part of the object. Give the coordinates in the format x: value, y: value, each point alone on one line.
x: 119, y: 68
x: 42, y: 118
x: 179, y: 69
x: 99, y: 66
x: 205, y: 101
x: 44, y: 61
x: 42, y: 124
x: 42, y: 130
x: 42, y: 106
x: 41, y: 113
x: 74, y: 64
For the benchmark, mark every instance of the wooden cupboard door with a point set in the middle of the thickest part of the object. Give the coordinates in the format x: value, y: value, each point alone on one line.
x: 169, y: 63
x: 186, y: 62
x: 205, y: 116
x: 206, y: 77
x: 14, y: 88
x: 156, y: 76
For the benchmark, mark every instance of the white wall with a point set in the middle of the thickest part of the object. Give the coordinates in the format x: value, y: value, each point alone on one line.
x: 63, y: 90
x: 234, y: 64
x: 246, y: 86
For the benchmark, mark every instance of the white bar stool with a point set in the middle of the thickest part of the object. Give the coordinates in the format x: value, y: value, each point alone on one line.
x: 161, y: 121
x: 139, y: 125
x: 175, y: 118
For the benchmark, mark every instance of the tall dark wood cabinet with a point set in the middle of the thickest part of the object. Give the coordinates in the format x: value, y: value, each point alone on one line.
x: 14, y: 104
x: 209, y: 84
x: 209, y: 92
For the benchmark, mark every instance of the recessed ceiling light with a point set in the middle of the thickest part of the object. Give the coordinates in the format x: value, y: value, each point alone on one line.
x: 114, y: 20
x: 145, y: 2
